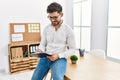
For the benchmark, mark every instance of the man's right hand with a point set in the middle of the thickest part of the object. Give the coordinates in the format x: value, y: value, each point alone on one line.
x: 38, y: 51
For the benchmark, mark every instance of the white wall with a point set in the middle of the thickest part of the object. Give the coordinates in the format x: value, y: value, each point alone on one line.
x: 99, y: 24
x: 69, y: 12
x: 22, y: 11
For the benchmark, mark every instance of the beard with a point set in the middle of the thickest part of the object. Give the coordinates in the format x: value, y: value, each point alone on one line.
x: 55, y: 23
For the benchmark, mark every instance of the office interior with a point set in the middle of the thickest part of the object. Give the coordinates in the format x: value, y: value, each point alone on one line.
x: 95, y: 24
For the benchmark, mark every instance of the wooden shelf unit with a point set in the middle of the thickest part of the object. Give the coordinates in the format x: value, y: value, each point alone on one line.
x: 19, y: 51
x: 18, y: 60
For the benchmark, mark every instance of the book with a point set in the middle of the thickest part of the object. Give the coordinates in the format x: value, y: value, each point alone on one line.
x: 40, y: 55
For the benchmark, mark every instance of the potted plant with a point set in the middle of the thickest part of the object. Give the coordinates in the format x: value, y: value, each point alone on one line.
x: 73, y: 59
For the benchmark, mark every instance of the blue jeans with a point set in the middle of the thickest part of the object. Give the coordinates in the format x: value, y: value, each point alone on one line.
x: 58, y: 68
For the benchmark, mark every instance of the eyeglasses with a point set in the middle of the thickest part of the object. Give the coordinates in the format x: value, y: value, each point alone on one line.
x: 55, y: 17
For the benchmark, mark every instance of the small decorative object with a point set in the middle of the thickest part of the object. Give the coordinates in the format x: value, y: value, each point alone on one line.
x: 26, y: 54
x: 73, y: 59
x: 81, y: 52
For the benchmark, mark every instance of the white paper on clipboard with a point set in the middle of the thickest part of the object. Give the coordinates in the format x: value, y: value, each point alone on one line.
x: 17, y: 37
x: 19, y: 28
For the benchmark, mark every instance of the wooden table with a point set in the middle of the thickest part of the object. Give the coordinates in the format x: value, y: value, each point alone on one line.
x: 91, y: 67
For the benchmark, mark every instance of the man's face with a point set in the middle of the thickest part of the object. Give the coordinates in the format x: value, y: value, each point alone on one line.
x: 55, y: 18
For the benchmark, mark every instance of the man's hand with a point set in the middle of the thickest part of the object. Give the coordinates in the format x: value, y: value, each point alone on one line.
x: 53, y: 57
x: 38, y: 51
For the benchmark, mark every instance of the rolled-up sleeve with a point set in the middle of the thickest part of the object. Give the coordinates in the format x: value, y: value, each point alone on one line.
x: 43, y: 42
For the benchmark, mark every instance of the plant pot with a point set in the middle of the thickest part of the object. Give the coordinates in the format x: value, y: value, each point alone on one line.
x: 73, y: 61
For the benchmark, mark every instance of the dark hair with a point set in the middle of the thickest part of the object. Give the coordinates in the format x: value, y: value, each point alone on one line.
x: 54, y: 7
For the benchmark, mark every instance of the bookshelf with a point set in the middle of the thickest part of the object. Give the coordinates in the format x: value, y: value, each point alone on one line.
x: 24, y: 40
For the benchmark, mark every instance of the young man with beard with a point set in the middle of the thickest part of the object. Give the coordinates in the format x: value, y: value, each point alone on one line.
x: 57, y: 40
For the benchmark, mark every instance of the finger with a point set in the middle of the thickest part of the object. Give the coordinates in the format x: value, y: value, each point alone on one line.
x: 52, y: 59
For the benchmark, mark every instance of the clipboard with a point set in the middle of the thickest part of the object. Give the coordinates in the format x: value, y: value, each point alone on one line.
x: 40, y: 55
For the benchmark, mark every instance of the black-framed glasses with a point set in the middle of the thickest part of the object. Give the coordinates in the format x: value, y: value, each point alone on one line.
x: 54, y: 17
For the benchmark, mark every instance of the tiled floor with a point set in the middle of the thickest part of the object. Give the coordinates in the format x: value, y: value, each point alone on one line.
x: 18, y: 76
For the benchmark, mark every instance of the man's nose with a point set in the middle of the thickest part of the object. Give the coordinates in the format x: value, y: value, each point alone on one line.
x: 52, y: 19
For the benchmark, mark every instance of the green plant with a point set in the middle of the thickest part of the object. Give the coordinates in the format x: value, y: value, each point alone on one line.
x: 74, y: 57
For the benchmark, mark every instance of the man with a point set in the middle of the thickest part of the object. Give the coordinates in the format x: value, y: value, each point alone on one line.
x: 57, y: 40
